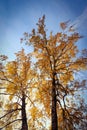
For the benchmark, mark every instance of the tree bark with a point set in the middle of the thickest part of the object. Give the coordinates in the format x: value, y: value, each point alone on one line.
x: 24, y: 118
x: 54, y: 111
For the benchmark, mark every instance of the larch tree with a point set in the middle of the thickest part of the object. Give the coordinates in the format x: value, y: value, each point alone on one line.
x: 16, y: 80
x: 57, y: 62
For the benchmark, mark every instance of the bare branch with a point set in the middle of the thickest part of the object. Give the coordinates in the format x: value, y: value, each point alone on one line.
x: 10, y: 123
x: 11, y: 111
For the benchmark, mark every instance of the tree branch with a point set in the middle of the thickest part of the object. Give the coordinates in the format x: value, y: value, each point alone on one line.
x: 10, y: 123
x: 11, y: 111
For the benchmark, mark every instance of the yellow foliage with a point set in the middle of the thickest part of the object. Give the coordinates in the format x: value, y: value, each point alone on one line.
x: 67, y: 77
x: 11, y: 88
x: 11, y: 97
x: 56, y: 60
x: 8, y: 106
x: 15, y: 105
x: 35, y: 113
x: 9, y: 127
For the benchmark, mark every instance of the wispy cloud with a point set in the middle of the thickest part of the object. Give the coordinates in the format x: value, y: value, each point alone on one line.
x: 81, y: 24
x: 81, y: 21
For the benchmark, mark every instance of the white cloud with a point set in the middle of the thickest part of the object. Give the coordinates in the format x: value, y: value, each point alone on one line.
x: 81, y: 21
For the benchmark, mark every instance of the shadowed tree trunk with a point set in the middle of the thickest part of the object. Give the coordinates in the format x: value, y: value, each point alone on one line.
x: 24, y: 118
x: 54, y: 111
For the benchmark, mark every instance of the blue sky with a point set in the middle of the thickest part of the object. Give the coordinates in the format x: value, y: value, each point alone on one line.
x: 18, y: 16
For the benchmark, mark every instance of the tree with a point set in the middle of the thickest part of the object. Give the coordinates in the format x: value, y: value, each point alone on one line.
x: 57, y: 62
x: 16, y: 78
x: 33, y: 93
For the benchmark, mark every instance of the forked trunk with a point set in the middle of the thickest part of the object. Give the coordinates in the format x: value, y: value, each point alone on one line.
x: 24, y: 118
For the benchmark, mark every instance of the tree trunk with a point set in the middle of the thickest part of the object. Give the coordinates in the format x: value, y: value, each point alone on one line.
x: 24, y: 118
x: 54, y: 111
